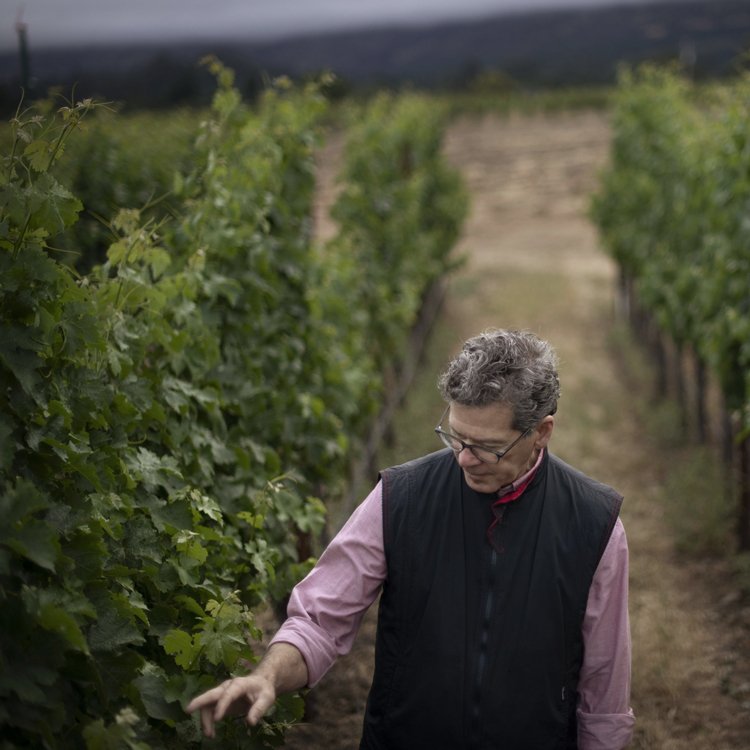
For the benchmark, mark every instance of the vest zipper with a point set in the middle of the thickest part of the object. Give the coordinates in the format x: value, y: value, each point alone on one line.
x: 482, y: 656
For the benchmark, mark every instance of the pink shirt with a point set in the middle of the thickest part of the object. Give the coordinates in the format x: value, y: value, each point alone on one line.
x: 326, y: 609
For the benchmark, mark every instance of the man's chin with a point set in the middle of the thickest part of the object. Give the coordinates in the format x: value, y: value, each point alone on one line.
x: 481, y: 484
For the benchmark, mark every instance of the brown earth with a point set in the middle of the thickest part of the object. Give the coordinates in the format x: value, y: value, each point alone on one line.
x: 533, y: 260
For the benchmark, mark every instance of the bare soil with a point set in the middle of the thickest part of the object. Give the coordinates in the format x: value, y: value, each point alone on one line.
x: 532, y: 260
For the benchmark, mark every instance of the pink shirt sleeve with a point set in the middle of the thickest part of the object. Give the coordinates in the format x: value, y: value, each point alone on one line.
x: 605, y: 719
x: 326, y: 608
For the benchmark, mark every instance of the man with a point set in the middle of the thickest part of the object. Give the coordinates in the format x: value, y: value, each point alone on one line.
x: 503, y: 575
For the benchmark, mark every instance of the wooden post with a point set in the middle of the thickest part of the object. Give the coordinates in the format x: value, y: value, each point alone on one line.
x: 727, y: 437
x: 744, y: 495
x: 660, y: 356
x: 700, y: 398
x: 23, y: 51
x: 682, y: 400
x: 624, y: 297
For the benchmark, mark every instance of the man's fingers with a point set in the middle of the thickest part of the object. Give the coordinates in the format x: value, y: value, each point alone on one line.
x: 261, y: 704
x: 204, y: 699
x: 207, y: 704
x: 230, y: 692
x: 207, y: 721
x: 242, y: 695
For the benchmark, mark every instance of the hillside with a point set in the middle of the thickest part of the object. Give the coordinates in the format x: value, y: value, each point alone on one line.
x: 559, y: 47
x: 579, y: 46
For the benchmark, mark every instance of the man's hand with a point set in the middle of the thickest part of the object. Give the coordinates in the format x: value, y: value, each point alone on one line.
x: 250, y: 696
x: 281, y: 670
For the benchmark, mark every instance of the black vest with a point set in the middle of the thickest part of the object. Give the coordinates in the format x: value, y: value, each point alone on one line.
x: 479, y: 641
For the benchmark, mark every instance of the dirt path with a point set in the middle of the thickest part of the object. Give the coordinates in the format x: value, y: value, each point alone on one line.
x: 533, y: 261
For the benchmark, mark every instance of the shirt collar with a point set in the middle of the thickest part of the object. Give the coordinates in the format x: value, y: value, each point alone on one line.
x: 523, y: 480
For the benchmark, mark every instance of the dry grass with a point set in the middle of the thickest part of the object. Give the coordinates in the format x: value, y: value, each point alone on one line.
x: 690, y: 657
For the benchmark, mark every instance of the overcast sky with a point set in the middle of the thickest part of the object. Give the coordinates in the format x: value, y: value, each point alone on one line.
x: 65, y: 22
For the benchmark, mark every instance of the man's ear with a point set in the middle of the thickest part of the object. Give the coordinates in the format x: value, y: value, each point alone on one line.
x: 544, y: 432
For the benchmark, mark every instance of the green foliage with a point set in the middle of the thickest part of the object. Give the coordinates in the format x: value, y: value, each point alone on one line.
x: 124, y: 579
x: 672, y: 210
x: 122, y: 162
x: 170, y: 419
x: 725, y: 299
x: 400, y: 210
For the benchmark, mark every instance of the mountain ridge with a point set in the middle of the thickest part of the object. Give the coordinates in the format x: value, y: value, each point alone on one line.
x: 533, y: 48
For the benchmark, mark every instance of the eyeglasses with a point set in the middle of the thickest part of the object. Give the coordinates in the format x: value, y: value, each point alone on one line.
x: 486, y: 455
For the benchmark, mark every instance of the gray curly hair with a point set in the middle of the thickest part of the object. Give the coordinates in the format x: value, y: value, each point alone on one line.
x: 504, y: 366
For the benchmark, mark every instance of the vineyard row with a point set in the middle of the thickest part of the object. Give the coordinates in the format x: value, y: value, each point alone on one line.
x: 183, y: 382
x: 674, y: 211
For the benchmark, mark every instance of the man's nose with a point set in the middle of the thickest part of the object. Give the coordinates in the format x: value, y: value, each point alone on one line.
x: 467, y: 458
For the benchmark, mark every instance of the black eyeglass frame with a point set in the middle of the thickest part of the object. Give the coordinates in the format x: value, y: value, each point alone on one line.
x: 445, y: 437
